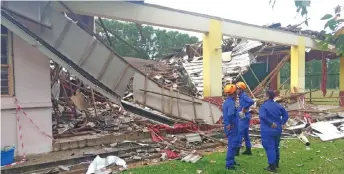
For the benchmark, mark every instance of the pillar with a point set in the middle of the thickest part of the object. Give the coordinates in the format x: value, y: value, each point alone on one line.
x: 278, y: 79
x: 212, y: 60
x: 341, y: 81
x: 297, y: 66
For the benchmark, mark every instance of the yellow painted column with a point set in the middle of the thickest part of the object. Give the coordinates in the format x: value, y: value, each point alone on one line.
x: 341, y: 81
x: 278, y: 76
x: 297, y: 66
x: 212, y: 60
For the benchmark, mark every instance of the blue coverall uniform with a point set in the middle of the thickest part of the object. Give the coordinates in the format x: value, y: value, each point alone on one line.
x: 245, y: 102
x: 230, y: 118
x: 272, y: 112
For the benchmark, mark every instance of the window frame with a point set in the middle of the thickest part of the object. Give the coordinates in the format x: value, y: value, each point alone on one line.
x: 9, y: 64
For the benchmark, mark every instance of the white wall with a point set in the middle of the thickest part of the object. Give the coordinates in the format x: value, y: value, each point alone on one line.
x: 32, y: 90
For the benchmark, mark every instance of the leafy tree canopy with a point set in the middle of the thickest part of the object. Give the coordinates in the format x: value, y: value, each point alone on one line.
x: 149, y: 42
x: 333, y: 28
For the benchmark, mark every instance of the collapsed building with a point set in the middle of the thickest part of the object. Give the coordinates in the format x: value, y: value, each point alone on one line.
x: 94, y: 105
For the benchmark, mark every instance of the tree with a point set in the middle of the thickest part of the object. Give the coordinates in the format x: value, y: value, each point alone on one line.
x: 153, y: 43
x: 333, y: 34
x: 333, y: 29
x: 336, y: 34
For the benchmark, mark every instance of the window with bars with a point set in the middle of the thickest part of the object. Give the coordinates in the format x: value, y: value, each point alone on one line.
x: 6, y: 62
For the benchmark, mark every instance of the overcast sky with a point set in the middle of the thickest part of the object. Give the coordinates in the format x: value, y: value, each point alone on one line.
x: 255, y: 11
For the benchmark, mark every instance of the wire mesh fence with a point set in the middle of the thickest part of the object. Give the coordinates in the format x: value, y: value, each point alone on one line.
x: 313, y: 83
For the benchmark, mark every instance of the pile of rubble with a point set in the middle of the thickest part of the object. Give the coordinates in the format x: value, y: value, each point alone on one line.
x: 324, y: 122
x: 80, y: 111
x: 181, y: 147
x: 236, y: 59
x: 170, y: 75
x: 298, y: 29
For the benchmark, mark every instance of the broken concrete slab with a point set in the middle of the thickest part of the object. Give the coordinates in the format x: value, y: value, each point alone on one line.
x: 137, y: 157
x: 65, y: 168
x: 113, y: 144
x: 191, y: 138
x: 193, y: 158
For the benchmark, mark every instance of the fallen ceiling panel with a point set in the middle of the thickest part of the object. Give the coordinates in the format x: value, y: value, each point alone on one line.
x: 172, y: 103
x: 80, y: 51
x: 72, y: 47
x: 327, y: 131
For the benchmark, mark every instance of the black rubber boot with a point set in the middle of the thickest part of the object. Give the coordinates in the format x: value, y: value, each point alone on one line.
x: 237, y: 151
x: 271, y: 168
x: 247, y: 151
x: 230, y: 168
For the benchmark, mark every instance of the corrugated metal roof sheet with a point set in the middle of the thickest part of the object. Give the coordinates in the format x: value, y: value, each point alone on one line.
x: 233, y: 62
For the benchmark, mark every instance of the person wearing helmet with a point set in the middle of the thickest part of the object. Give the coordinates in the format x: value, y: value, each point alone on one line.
x: 272, y: 116
x: 230, y: 121
x: 245, y: 102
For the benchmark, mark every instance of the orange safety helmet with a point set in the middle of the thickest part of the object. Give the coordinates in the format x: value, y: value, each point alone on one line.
x: 241, y: 85
x: 229, y: 89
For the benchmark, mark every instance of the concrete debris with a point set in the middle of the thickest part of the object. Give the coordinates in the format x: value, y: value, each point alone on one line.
x: 299, y: 165
x: 90, y: 124
x: 163, y: 156
x: 113, y: 144
x: 193, y: 138
x: 108, y: 149
x: 79, y: 112
x: 137, y: 157
x: 64, y: 168
x: 89, y: 153
x: 52, y: 171
x: 174, y: 139
x: 341, y: 127
x: 193, y: 158
x: 139, y: 151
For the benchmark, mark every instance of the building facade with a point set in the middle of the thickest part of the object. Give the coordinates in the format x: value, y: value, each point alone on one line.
x: 25, y: 79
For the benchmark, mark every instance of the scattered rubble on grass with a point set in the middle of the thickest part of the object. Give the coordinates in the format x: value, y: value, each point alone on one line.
x: 78, y: 110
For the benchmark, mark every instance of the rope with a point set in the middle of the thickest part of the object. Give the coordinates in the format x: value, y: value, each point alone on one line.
x: 31, y: 121
x: 254, y: 74
x: 247, y: 86
x: 20, y: 133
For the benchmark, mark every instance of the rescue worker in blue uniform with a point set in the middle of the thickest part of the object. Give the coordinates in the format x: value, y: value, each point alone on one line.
x: 230, y: 124
x: 245, y: 102
x: 272, y: 117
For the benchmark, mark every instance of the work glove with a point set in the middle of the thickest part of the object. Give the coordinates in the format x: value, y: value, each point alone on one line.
x: 242, y: 114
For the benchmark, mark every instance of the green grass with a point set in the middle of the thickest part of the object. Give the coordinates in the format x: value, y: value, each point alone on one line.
x: 324, y: 157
